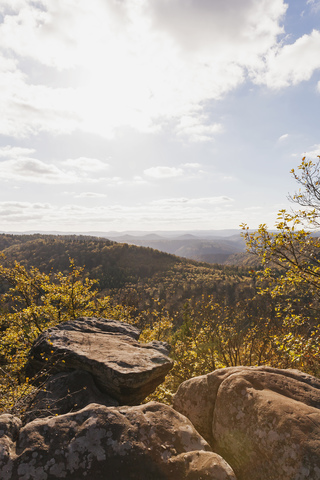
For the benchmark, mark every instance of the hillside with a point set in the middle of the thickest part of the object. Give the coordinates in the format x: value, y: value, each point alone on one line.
x: 201, y: 247
x: 134, y: 275
x: 114, y: 264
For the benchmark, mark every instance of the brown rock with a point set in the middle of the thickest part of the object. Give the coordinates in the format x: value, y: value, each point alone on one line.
x: 195, y: 398
x: 146, y: 442
x: 265, y: 422
x: 9, y: 432
x: 63, y: 393
x: 200, y: 465
x: 120, y: 366
x: 100, y: 325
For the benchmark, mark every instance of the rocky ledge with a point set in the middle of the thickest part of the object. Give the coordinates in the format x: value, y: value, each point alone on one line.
x: 109, y: 351
x: 264, y: 421
x: 86, y: 420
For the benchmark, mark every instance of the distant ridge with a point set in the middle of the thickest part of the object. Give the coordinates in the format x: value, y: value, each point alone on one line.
x: 210, y: 246
x: 187, y: 236
x: 161, y: 233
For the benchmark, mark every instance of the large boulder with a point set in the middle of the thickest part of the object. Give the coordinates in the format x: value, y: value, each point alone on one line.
x: 146, y: 442
x: 264, y: 422
x: 120, y: 366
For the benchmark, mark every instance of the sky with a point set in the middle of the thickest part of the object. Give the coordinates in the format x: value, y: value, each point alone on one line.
x: 165, y: 115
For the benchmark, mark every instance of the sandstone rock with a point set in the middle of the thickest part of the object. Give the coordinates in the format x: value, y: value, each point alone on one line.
x: 9, y: 432
x: 200, y: 465
x: 163, y: 347
x: 65, y: 392
x: 265, y: 422
x: 146, y: 442
x: 100, y: 325
x: 195, y: 399
x: 120, y: 366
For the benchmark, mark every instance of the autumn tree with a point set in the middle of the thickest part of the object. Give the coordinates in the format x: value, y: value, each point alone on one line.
x: 290, y: 275
x: 32, y: 302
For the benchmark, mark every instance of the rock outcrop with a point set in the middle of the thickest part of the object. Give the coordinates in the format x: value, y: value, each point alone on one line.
x: 120, y: 366
x: 80, y: 423
x: 264, y: 422
x: 146, y: 442
x: 85, y: 421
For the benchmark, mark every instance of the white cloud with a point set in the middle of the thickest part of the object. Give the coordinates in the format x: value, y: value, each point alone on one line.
x: 137, y: 179
x: 17, y: 212
x: 163, y: 172
x: 211, y: 200
x: 15, y: 152
x: 32, y: 170
x: 315, y: 5
x: 291, y: 64
x: 133, y: 63
x: 236, y: 29
x: 85, y: 165
x: 196, y: 129
x: 249, y: 209
x: 182, y: 201
x: 283, y: 137
x: 312, y: 153
x: 191, y: 165
x: 30, y: 109
x: 167, y: 213
x: 11, y: 5
x: 90, y: 195
x: 187, y: 170
x: 19, y: 166
x: 42, y: 32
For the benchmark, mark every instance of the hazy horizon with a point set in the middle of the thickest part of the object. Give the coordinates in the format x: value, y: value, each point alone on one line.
x: 123, y: 232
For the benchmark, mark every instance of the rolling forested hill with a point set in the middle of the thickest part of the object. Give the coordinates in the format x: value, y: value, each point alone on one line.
x: 203, y: 247
x: 136, y: 276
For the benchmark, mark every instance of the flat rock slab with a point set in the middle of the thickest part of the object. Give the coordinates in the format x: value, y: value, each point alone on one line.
x: 146, y: 442
x: 121, y: 367
x: 264, y: 421
x: 100, y: 325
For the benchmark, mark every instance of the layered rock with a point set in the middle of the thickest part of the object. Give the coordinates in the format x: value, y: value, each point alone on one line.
x: 265, y: 422
x: 120, y: 366
x: 74, y: 427
x: 146, y: 442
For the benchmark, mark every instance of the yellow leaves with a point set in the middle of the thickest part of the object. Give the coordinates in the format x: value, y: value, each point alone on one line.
x: 36, y: 301
x: 13, y: 394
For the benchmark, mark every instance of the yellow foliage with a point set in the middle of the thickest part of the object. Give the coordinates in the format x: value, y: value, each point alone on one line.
x: 291, y: 272
x: 33, y: 302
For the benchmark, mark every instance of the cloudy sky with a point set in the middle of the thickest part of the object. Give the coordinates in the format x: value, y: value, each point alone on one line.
x: 154, y: 114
